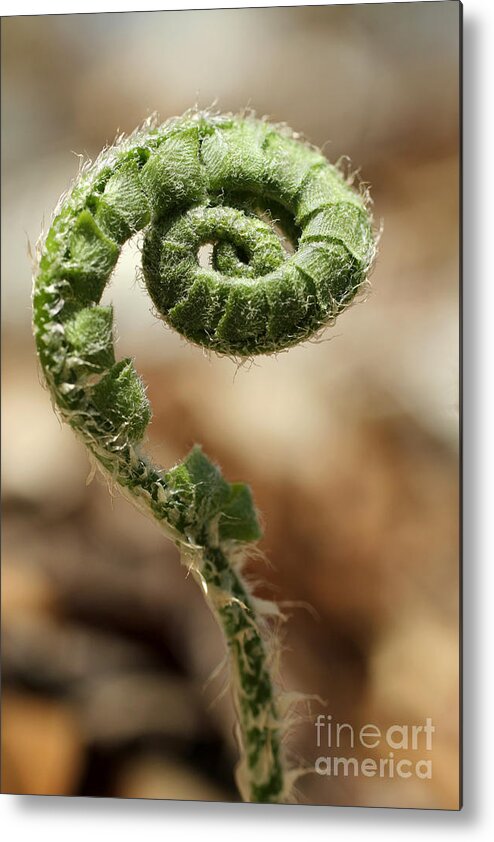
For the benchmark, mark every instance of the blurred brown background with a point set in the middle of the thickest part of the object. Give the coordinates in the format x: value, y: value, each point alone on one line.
x: 350, y: 445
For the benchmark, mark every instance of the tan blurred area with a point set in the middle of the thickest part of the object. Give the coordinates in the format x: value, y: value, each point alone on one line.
x: 350, y: 444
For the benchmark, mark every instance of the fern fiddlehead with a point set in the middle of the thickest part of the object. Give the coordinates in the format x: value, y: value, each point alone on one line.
x: 199, y: 179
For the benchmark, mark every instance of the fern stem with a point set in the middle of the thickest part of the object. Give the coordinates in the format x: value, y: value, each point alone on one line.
x: 197, y: 179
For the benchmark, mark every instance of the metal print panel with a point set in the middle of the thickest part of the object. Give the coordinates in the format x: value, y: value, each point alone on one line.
x: 231, y: 516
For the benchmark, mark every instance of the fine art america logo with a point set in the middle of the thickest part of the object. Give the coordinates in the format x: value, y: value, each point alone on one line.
x: 388, y: 746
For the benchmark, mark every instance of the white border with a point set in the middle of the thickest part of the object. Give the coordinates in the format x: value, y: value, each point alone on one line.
x: 28, y: 7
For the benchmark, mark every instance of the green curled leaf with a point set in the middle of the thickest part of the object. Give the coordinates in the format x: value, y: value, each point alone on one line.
x: 291, y: 243
x: 122, y: 410
x: 90, y: 336
x: 202, y: 497
x: 239, y: 520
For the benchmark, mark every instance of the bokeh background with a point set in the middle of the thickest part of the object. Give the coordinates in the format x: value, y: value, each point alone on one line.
x: 350, y: 444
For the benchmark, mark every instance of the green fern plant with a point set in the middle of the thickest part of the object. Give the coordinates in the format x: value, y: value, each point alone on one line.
x: 228, y: 181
